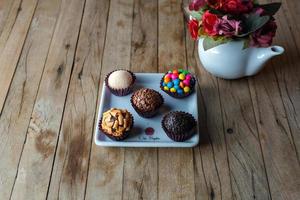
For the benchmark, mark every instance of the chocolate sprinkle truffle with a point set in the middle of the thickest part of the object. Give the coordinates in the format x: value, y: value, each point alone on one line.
x: 116, y: 123
x: 179, y: 126
x: 120, y: 82
x: 146, y: 102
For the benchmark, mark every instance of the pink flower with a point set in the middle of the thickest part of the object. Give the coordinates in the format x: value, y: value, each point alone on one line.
x: 209, y: 22
x: 264, y: 36
x: 227, y: 27
x: 259, y: 11
x: 196, y: 4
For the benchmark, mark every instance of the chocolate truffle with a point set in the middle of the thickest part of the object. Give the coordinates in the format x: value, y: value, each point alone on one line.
x: 116, y: 123
x: 178, y: 125
x: 120, y: 82
x: 146, y: 102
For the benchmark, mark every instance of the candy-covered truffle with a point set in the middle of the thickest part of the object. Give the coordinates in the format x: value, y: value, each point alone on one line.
x: 178, y: 83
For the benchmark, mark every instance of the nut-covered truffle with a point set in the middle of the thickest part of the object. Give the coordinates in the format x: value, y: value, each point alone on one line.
x: 115, y: 122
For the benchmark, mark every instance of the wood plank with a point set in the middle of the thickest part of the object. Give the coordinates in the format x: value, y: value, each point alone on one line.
x: 13, y: 45
x: 5, y: 10
x: 212, y: 177
x: 20, y: 100
x: 72, y: 159
x: 247, y: 170
x: 9, y: 13
x: 140, y: 181
x: 287, y: 70
x: 105, y: 178
x: 176, y: 172
x: 274, y: 93
x: 35, y: 166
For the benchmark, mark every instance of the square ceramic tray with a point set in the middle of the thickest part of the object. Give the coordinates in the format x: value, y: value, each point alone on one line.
x: 138, y: 137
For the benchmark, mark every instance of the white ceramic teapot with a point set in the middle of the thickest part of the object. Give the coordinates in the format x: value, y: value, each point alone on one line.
x: 231, y: 61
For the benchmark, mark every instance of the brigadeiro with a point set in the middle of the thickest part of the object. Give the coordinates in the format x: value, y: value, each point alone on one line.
x: 178, y: 83
x: 179, y: 126
x: 116, y: 123
x: 146, y: 102
x: 120, y: 82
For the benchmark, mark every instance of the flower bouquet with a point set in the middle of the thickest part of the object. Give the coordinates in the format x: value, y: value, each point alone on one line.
x: 221, y: 21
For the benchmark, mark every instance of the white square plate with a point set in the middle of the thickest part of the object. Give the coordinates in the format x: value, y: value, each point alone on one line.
x: 138, y: 137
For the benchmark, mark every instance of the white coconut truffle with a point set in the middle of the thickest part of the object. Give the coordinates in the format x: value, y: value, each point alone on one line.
x: 120, y: 79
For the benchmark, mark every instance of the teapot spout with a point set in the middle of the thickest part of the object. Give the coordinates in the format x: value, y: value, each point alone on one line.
x: 260, y: 56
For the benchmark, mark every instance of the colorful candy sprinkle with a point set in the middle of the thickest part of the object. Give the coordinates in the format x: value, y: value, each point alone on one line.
x: 174, y: 76
x: 179, y: 91
x: 181, y: 84
x: 186, y: 89
x: 186, y: 82
x: 167, y: 80
x: 173, y: 90
x: 181, y: 76
x: 178, y: 81
x: 170, y: 84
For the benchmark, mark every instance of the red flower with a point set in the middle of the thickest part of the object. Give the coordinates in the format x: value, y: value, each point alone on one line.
x: 236, y: 6
x: 208, y: 22
x: 194, y: 27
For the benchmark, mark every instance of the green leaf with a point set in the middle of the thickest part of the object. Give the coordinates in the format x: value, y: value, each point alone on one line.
x: 246, y: 43
x: 252, y: 23
x: 271, y: 8
x: 210, y: 42
x: 195, y: 14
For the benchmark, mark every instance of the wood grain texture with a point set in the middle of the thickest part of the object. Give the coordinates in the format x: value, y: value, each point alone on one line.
x: 247, y: 168
x: 175, y: 166
x: 12, y: 44
x: 71, y: 163
x: 54, y: 54
x: 211, y: 169
x: 38, y: 153
x: 5, y: 10
x: 9, y: 12
x: 105, y: 178
x: 277, y: 117
x: 287, y: 67
x: 140, y: 181
x: 20, y: 100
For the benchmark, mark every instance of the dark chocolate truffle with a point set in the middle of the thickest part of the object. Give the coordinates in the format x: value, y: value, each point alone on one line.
x: 179, y: 126
x: 146, y: 102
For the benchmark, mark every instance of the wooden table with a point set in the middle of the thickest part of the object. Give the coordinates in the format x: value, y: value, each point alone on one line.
x: 54, y: 57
